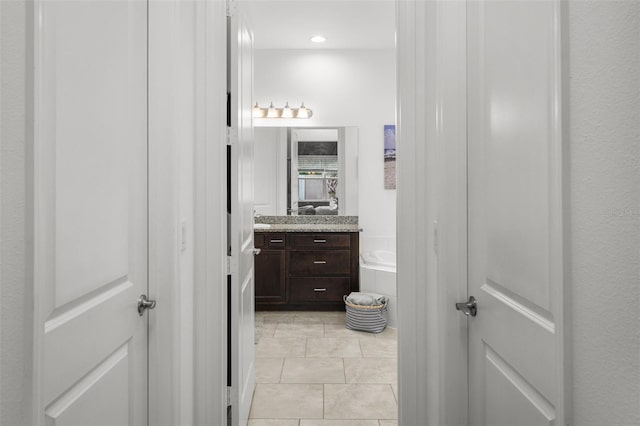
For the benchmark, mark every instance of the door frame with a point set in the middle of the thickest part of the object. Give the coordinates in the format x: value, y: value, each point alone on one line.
x: 166, y: 390
x: 431, y: 43
x: 419, y: 356
x: 210, y: 227
x: 209, y: 327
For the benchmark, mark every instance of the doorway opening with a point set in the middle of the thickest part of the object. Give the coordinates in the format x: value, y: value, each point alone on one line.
x: 309, y: 366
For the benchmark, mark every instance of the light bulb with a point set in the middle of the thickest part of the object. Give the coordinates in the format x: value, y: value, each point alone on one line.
x: 303, y: 112
x: 257, y: 111
x: 272, y: 112
x: 287, y: 112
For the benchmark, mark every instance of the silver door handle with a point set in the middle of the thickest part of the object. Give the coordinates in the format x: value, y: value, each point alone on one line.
x: 319, y: 262
x: 144, y: 303
x: 256, y: 251
x: 319, y: 289
x: 319, y: 241
x: 469, y: 308
x: 275, y: 241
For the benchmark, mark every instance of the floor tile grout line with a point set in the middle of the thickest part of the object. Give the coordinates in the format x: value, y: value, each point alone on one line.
x: 306, y: 346
x: 323, y: 398
x: 284, y: 359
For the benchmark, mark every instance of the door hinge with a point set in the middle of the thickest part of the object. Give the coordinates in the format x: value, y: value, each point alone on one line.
x: 232, y: 136
x: 228, y: 396
x: 231, y: 7
x: 228, y: 265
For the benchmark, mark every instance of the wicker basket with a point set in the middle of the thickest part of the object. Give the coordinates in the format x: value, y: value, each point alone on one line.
x: 372, y: 319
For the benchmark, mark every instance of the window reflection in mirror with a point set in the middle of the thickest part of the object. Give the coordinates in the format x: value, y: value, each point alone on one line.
x: 314, y: 163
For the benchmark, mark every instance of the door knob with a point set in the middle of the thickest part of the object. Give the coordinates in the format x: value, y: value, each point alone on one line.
x: 256, y: 251
x: 469, y: 308
x: 144, y: 303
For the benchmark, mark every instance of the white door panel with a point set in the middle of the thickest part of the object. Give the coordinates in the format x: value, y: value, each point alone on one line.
x: 91, y: 211
x: 105, y: 383
x: 514, y: 213
x: 242, y: 245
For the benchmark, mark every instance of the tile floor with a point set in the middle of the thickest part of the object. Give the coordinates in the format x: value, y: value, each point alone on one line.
x: 312, y: 371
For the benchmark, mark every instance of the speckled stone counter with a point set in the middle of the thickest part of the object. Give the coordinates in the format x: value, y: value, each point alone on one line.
x: 307, y: 224
x: 309, y: 227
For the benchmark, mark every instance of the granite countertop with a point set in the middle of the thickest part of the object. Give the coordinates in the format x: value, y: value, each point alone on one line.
x: 310, y: 227
x: 307, y: 224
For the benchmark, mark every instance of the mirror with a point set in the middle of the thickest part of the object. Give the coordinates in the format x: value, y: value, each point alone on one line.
x: 306, y: 171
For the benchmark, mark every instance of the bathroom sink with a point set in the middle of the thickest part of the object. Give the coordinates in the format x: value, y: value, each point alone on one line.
x: 261, y: 226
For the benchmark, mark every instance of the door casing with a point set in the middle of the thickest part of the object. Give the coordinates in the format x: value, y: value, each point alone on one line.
x: 166, y: 366
x: 431, y: 230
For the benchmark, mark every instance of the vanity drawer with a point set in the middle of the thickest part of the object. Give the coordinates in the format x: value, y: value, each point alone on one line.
x: 269, y: 240
x: 318, y: 289
x: 326, y: 240
x: 320, y: 262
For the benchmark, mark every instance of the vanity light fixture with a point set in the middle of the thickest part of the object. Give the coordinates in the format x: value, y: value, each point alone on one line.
x: 285, y: 112
x: 318, y: 39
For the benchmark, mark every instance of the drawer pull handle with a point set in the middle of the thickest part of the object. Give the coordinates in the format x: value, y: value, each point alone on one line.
x: 319, y: 262
x: 276, y: 241
x: 319, y: 290
x: 319, y: 241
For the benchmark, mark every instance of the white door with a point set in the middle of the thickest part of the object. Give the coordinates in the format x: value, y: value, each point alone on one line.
x: 241, y: 236
x: 90, y: 187
x: 516, y: 374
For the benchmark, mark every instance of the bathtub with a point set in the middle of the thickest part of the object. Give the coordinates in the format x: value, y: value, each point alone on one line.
x: 378, y: 275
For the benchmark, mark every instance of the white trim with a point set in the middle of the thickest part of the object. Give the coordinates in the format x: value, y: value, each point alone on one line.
x: 433, y: 205
x: 164, y: 212
x: 451, y: 139
x: 38, y: 158
x: 565, y: 355
x: 210, y: 299
x: 418, y: 322
x: 560, y: 212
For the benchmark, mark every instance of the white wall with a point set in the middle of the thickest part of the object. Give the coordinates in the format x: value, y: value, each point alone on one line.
x: 172, y: 137
x: 15, y: 289
x: 604, y: 85
x: 343, y: 88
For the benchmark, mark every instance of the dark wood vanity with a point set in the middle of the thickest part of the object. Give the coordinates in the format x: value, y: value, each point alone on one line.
x: 305, y: 270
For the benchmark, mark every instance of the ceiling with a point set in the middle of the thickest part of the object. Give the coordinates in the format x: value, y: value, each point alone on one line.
x: 347, y: 24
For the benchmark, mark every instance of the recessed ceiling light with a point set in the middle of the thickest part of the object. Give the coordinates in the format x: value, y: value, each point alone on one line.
x: 318, y: 39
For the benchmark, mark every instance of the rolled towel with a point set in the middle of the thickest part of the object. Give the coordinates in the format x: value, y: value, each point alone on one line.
x: 366, y: 299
